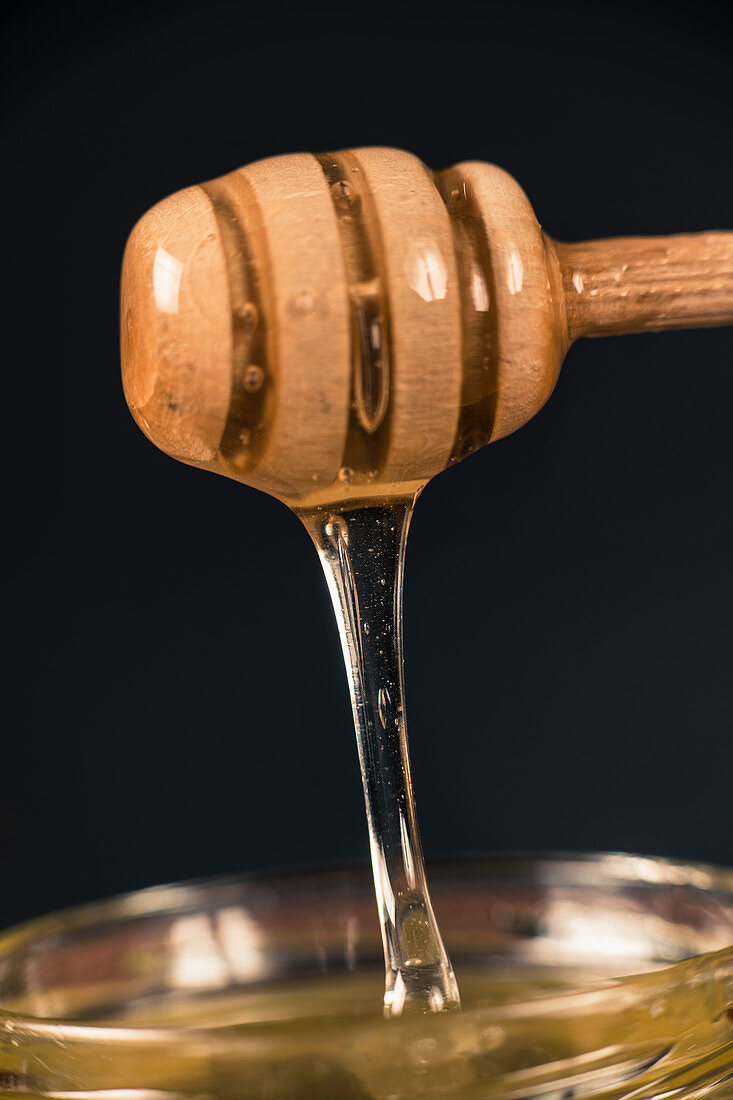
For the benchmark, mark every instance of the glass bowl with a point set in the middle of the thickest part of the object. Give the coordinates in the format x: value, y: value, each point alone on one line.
x: 582, y: 976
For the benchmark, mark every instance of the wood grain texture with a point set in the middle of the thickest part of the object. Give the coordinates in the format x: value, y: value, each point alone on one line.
x: 647, y: 284
x: 344, y: 327
x: 531, y: 339
x: 420, y: 277
x: 176, y: 331
x: 309, y: 322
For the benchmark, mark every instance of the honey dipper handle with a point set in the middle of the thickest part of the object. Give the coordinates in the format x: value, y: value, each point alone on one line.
x: 647, y: 284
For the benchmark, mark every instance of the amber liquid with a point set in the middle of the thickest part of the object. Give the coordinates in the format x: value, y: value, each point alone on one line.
x: 325, y: 1039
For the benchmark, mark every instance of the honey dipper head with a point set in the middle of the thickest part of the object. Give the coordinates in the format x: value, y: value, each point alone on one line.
x: 327, y: 326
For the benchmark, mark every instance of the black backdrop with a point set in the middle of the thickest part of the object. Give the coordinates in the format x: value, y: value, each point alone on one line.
x: 177, y: 697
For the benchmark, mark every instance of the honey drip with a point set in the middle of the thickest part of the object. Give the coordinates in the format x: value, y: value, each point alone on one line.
x: 362, y: 551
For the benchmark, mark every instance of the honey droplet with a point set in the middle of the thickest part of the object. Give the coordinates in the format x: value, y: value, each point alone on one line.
x: 253, y: 378
x: 249, y: 316
x: 303, y: 303
x: 343, y: 194
x: 456, y: 199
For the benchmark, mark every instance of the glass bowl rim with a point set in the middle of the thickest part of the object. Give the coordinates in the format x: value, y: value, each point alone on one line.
x: 167, y: 898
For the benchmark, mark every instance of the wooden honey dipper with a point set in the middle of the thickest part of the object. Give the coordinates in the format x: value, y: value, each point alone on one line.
x: 327, y: 328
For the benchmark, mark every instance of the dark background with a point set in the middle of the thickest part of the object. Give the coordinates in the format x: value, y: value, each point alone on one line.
x: 177, y: 696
